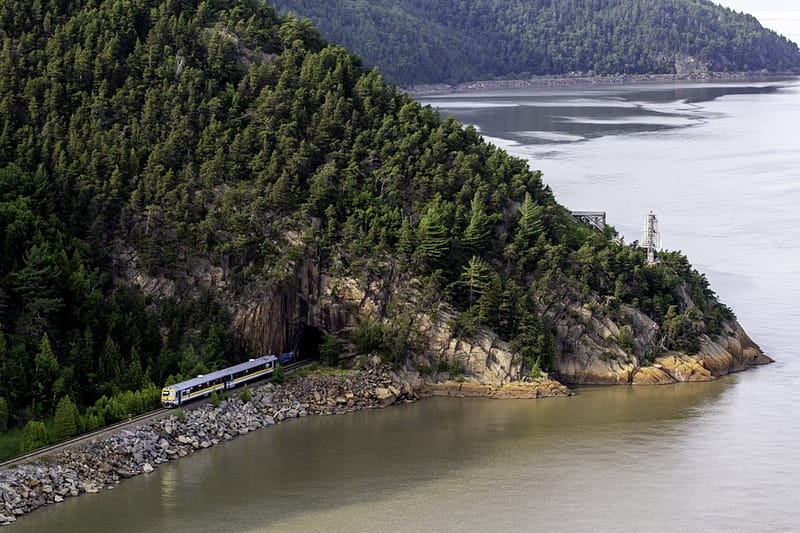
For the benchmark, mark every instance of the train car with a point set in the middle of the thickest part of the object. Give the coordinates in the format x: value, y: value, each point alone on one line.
x: 286, y: 358
x: 225, y: 379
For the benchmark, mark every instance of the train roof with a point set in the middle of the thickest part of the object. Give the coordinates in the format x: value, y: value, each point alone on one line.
x: 211, y: 376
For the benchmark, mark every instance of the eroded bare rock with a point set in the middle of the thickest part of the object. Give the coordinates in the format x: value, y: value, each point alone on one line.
x: 520, y: 390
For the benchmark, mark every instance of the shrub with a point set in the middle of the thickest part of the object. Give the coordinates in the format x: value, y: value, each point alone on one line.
x: 93, y: 421
x: 215, y: 399
x: 464, y: 325
x: 369, y: 337
x: 33, y: 436
x: 245, y: 394
x: 10, y: 443
x: 329, y: 349
x: 278, y: 376
x: 536, y: 371
x: 126, y: 404
x: 625, y: 339
x: 452, y: 367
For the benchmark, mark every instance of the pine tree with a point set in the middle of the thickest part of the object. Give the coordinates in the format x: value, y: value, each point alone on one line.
x: 321, y: 189
x: 406, y: 244
x: 110, y: 367
x: 3, y: 358
x: 34, y: 436
x: 67, y: 420
x: 433, y: 241
x: 46, y: 371
x: 284, y: 192
x: 475, y: 278
x: 531, y: 225
x: 479, y: 229
x: 133, y: 377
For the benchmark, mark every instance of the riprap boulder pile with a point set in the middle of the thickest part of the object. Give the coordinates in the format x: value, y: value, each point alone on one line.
x: 102, y: 462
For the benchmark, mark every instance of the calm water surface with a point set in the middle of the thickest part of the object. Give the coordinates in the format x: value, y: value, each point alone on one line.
x: 720, y: 165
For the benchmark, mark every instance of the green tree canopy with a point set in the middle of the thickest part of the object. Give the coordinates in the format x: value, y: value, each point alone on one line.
x: 163, y: 164
x: 418, y: 41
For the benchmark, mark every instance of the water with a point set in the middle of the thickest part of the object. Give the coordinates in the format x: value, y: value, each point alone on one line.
x: 720, y: 165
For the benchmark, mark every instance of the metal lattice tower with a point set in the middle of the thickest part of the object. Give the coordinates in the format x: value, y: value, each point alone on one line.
x: 593, y: 219
x: 651, y: 237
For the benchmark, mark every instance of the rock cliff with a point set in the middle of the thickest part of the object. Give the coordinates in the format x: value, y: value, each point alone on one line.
x: 590, y: 341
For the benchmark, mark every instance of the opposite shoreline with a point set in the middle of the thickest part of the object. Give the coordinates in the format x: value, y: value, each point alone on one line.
x: 578, y: 81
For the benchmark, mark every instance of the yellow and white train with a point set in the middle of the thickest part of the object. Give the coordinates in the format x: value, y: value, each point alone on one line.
x: 225, y: 379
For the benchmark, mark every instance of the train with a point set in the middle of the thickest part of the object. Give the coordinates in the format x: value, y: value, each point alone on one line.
x: 222, y: 380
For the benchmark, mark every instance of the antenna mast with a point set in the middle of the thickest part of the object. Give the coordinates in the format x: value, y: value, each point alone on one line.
x: 651, y: 237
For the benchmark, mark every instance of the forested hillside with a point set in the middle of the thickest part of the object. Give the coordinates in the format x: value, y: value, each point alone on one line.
x: 162, y: 161
x: 450, y: 41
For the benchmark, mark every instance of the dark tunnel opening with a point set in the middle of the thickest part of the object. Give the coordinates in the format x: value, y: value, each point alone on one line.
x: 309, y: 342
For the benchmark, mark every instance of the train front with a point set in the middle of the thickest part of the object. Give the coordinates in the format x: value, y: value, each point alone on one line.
x: 169, y: 397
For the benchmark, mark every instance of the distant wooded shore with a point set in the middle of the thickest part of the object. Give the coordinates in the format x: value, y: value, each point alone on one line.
x: 572, y: 81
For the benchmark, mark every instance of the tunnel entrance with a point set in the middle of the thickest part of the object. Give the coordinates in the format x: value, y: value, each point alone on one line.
x: 308, y: 343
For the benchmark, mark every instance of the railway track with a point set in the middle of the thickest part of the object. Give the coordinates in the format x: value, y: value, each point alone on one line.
x: 86, y: 436
x: 40, y: 452
x: 296, y: 365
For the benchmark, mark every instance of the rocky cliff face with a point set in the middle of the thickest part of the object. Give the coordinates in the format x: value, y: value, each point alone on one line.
x: 592, y: 347
x: 592, y: 350
x: 733, y: 351
x: 337, y: 304
x: 589, y: 343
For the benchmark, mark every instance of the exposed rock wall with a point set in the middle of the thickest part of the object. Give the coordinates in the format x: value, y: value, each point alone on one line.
x: 588, y: 347
x: 336, y: 304
x: 593, y: 361
x: 732, y: 352
x: 520, y: 390
x: 484, y: 357
x: 589, y: 343
x: 312, y: 299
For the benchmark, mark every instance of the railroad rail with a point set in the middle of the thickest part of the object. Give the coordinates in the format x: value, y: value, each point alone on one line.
x: 80, y: 438
x: 161, y: 411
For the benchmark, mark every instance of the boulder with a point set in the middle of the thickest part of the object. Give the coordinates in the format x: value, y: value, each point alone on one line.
x: 528, y: 390
x: 652, y: 375
x: 384, y: 396
x: 458, y: 389
x: 684, y: 368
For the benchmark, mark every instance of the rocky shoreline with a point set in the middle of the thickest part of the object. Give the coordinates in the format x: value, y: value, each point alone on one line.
x: 518, y: 390
x: 573, y: 81
x: 101, y: 463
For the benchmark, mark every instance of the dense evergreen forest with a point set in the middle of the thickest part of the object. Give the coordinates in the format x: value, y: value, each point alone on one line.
x: 160, y: 139
x: 450, y: 41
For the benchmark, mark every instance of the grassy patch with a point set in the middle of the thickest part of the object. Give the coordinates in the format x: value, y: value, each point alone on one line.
x: 316, y: 369
x: 9, y: 443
